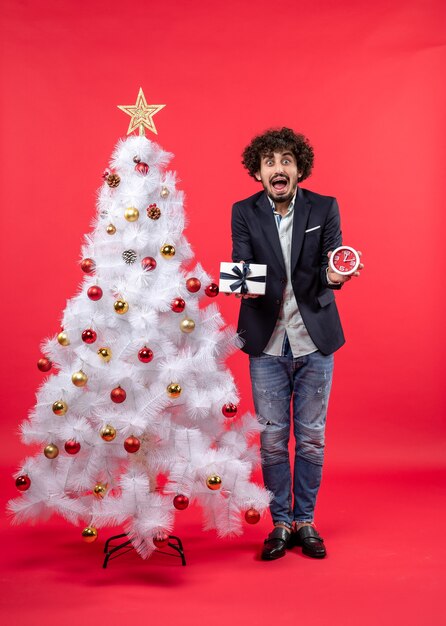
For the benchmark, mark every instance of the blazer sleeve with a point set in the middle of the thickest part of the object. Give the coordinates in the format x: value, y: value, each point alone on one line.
x: 241, y: 239
x: 331, y: 239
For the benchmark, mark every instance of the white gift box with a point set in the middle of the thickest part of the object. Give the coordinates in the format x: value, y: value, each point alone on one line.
x: 242, y: 278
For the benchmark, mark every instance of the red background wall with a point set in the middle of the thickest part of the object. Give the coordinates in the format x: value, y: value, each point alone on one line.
x: 362, y: 80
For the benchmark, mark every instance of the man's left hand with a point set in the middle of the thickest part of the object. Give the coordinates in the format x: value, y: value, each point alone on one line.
x: 340, y: 278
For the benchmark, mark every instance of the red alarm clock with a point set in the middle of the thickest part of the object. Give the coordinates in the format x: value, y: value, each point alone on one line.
x: 344, y: 260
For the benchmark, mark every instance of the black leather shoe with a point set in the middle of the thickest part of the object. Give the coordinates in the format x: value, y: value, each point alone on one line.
x: 310, y: 541
x: 276, y: 543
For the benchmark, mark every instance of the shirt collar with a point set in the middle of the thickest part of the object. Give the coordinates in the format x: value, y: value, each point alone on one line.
x: 290, y: 206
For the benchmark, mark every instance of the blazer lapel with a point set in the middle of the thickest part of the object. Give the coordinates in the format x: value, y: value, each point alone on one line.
x: 269, y: 226
x: 302, y: 209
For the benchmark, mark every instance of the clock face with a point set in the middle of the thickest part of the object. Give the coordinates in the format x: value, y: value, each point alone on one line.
x: 344, y: 260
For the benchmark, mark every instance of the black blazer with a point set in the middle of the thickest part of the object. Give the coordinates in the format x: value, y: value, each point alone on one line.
x: 255, y: 240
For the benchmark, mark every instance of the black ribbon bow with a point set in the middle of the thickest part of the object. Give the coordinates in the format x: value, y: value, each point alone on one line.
x: 242, y: 275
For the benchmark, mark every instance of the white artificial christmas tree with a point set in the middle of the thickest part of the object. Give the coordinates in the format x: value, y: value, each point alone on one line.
x: 140, y: 388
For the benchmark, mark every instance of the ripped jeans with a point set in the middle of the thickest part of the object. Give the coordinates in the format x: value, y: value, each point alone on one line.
x: 306, y: 382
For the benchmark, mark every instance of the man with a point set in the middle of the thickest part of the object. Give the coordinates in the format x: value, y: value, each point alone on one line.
x: 292, y: 331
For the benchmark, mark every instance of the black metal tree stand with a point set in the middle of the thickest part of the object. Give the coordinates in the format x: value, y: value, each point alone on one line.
x: 112, y: 550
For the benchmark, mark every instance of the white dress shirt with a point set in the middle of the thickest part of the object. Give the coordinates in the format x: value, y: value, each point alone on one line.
x: 290, y: 321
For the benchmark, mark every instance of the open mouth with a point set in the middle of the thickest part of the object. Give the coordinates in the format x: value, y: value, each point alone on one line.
x: 279, y: 183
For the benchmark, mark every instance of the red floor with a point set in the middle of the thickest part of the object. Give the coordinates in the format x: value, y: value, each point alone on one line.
x: 386, y: 566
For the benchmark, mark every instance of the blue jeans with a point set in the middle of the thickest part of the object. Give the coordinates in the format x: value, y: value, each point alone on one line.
x: 306, y: 381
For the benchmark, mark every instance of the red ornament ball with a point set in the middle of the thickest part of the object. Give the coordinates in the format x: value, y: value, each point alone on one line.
x: 193, y: 285
x: 211, y: 290
x: 72, y: 446
x: 229, y: 409
x: 132, y: 444
x: 23, y: 482
x: 252, y: 516
x: 161, y: 541
x: 87, y: 266
x: 178, y: 305
x: 118, y: 395
x: 145, y: 355
x: 89, y: 335
x: 94, y: 293
x: 181, y: 502
x: 142, y: 168
x: 44, y: 364
x: 148, y: 263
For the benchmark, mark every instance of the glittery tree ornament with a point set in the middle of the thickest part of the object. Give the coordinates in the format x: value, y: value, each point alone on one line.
x: 113, y: 180
x: 129, y: 256
x: 153, y: 212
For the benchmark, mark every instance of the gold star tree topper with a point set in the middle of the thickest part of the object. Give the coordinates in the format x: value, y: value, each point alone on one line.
x: 141, y: 114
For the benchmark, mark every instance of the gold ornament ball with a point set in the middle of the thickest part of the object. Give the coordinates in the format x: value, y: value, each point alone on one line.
x: 60, y: 407
x: 79, y: 379
x: 105, y: 354
x: 174, y: 390
x: 51, y: 451
x: 111, y: 229
x: 108, y: 433
x: 213, y: 482
x: 121, y: 307
x: 89, y: 534
x: 131, y: 214
x: 164, y: 192
x: 62, y: 338
x: 100, y: 490
x: 168, y: 251
x: 187, y: 325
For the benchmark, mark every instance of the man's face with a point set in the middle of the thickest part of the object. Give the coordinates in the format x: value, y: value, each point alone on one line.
x: 279, y: 175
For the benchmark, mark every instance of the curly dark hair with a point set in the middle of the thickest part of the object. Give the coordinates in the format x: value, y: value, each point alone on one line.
x: 278, y: 140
